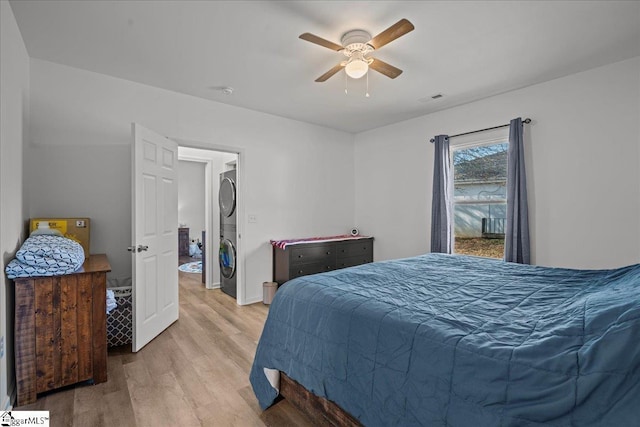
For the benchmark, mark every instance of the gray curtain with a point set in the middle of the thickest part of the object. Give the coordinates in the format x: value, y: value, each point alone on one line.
x: 441, y: 205
x: 516, y: 243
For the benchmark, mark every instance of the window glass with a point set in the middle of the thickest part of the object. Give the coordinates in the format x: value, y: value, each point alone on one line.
x: 480, y: 199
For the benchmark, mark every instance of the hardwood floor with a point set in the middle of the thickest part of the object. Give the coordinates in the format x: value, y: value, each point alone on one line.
x: 196, y: 373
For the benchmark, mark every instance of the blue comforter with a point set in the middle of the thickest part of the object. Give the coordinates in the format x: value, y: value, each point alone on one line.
x: 46, y: 255
x: 452, y: 340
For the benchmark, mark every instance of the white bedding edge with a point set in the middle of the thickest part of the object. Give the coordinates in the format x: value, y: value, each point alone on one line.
x: 273, y: 376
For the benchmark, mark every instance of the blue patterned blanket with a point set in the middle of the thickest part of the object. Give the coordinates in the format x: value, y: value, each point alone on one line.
x: 46, y: 255
x: 442, y: 340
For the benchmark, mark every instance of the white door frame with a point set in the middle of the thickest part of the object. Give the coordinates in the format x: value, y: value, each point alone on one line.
x: 241, y: 226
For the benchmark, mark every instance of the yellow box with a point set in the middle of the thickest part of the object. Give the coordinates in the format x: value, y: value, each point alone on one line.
x: 73, y: 228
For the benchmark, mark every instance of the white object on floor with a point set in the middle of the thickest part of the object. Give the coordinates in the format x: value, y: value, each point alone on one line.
x: 194, y: 250
x: 111, y: 301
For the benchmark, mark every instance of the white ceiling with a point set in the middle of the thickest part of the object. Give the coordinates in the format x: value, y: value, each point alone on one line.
x: 463, y: 50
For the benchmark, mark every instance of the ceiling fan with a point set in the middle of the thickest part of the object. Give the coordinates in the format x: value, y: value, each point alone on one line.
x: 356, y: 45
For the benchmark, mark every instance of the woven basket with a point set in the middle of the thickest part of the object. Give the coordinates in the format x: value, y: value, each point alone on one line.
x: 119, y: 331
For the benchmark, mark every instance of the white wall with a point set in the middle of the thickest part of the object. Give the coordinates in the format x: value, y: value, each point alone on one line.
x: 191, y: 204
x: 91, y: 181
x: 583, y: 167
x: 298, y: 177
x: 14, y: 114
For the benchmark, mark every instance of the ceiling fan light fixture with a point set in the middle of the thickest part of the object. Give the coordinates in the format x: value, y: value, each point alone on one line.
x: 356, y: 68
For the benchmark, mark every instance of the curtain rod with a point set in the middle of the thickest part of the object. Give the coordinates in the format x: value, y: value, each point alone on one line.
x: 527, y: 120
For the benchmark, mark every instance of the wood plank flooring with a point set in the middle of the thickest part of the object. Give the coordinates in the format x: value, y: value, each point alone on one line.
x: 196, y: 373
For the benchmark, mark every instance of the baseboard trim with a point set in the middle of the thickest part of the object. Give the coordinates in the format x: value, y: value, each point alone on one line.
x: 252, y: 301
x: 6, y: 403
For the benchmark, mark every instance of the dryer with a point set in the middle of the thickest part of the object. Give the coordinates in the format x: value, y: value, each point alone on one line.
x: 227, y: 199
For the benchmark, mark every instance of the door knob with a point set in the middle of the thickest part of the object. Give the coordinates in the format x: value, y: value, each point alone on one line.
x: 142, y: 248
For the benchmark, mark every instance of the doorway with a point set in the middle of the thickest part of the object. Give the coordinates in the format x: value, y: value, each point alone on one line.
x: 154, y: 220
x: 191, y: 218
x: 215, y: 163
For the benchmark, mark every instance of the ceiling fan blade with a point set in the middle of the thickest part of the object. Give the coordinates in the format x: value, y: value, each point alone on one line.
x: 398, y: 29
x: 320, y: 41
x: 384, y: 68
x: 330, y: 73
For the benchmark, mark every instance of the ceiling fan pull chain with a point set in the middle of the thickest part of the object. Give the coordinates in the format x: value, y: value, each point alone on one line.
x: 346, y: 82
x: 367, y: 93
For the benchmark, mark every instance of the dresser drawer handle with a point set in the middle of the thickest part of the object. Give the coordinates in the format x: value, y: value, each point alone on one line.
x: 328, y: 252
x: 299, y: 256
x: 300, y: 272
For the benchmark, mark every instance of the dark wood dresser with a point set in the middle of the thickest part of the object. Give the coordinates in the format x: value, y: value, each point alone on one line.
x: 301, y: 259
x: 183, y: 241
x: 61, y: 329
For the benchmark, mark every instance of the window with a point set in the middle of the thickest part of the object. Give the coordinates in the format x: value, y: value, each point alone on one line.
x: 480, y: 198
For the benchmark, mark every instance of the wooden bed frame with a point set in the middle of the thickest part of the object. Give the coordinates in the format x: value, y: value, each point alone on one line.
x: 315, y: 407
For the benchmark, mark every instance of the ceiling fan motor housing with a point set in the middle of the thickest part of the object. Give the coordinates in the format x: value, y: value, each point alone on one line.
x: 356, y: 41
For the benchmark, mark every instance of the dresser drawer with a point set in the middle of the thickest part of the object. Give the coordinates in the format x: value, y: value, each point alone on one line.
x: 303, y: 270
x: 360, y: 247
x: 313, y: 254
x: 353, y: 261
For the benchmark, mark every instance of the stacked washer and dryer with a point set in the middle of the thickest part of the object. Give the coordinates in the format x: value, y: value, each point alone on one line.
x: 227, y: 253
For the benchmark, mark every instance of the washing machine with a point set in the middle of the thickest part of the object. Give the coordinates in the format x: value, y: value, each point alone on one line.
x: 227, y: 199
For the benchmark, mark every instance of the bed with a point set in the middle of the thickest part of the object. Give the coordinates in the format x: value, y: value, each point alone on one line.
x: 454, y: 340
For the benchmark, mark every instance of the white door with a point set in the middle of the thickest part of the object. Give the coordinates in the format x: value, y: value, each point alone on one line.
x: 155, y: 233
